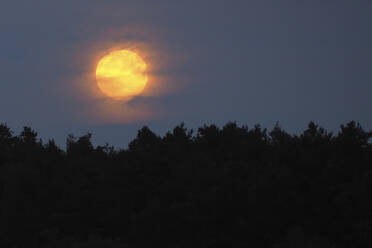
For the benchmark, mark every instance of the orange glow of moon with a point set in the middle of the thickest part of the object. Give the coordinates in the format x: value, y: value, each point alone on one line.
x: 121, y: 74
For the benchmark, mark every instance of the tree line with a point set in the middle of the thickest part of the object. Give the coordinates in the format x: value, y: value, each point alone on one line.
x: 232, y: 186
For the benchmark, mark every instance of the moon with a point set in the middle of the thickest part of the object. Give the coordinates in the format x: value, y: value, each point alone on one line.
x: 121, y: 75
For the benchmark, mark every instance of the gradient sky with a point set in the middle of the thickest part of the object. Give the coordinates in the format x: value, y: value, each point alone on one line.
x: 256, y: 61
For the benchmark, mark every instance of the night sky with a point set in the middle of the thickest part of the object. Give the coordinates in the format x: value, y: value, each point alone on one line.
x: 256, y: 61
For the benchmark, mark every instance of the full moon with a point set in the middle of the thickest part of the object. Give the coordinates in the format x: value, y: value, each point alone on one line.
x: 121, y: 74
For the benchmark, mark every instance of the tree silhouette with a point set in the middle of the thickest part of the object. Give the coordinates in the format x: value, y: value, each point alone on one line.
x: 144, y: 141
x: 229, y: 186
x: 28, y: 136
x: 81, y: 146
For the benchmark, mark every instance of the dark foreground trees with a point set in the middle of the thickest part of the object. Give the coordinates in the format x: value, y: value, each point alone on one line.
x: 220, y: 187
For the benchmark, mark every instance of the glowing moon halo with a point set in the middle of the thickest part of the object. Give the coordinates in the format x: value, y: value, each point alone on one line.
x: 121, y: 74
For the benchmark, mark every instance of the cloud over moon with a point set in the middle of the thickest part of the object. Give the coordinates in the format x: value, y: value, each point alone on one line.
x: 149, y: 46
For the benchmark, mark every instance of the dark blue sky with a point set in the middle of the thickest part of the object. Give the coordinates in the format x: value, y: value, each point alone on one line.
x: 257, y: 61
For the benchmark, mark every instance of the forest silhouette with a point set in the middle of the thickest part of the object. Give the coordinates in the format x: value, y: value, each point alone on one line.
x: 229, y: 186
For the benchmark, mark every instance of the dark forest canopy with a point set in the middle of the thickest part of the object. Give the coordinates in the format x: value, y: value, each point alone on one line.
x: 218, y: 187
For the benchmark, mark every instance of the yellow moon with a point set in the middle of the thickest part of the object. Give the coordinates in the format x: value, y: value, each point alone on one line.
x: 121, y: 74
